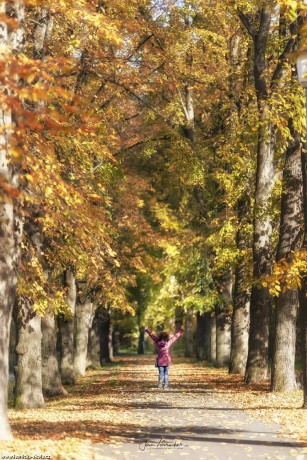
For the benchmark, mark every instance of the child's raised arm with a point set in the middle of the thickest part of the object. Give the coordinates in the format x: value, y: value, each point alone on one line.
x: 151, y: 335
x: 176, y: 336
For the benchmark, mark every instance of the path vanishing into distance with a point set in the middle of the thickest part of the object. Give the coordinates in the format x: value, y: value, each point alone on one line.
x: 190, y: 420
x: 117, y: 412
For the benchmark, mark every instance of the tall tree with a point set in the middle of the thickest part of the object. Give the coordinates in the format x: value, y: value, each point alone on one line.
x: 267, y: 79
x: 29, y: 372
x: 10, y: 223
x: 28, y: 390
x: 257, y: 364
x: 290, y: 236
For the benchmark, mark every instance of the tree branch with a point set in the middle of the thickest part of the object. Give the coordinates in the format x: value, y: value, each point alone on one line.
x: 277, y: 74
x: 139, y: 46
x: 138, y: 98
x: 265, y: 21
x: 245, y: 19
x: 291, y: 45
x: 145, y: 141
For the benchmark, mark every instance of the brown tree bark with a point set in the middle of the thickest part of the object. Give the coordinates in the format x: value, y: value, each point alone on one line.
x: 290, y: 238
x: 51, y: 377
x: 203, y: 338
x: 106, y: 336
x: 303, y: 290
x: 28, y: 389
x: 259, y: 26
x: 189, y: 349
x: 261, y: 302
x: 213, y: 338
x: 141, y: 341
x: 241, y: 293
x: 223, y: 320
x: 83, y: 316
x: 42, y: 32
x: 93, y: 350
x: 10, y: 222
x: 223, y: 337
x: 260, y: 307
x: 116, y: 342
x: 241, y: 297
x: 28, y: 370
x: 66, y: 329
x: 303, y: 317
x: 178, y: 319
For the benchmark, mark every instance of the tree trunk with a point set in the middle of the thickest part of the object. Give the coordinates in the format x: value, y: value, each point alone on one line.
x: 188, y: 128
x: 106, y: 329
x: 200, y: 336
x: 28, y: 370
x: 116, y: 342
x: 223, y: 338
x: 223, y: 320
x: 203, y: 336
x: 28, y: 388
x: 7, y: 294
x: 188, y: 106
x: 82, y: 323
x: 178, y: 318
x: 10, y: 222
x: 189, y: 334
x: 12, y: 347
x: 260, y: 308
x: 303, y: 290
x: 290, y: 236
x: 51, y: 378
x: 8, y: 281
x: 241, y: 297
x: 141, y: 343
x: 257, y: 361
x: 303, y: 318
x: 28, y: 384
x: 66, y: 328
x: 42, y: 32
x: 241, y: 294
x: 213, y: 338
x: 93, y: 351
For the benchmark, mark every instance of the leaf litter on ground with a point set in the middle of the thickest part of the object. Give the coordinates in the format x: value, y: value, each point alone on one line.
x: 115, y: 404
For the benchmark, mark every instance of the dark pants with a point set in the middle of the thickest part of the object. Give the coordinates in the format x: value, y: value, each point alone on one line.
x: 163, y: 374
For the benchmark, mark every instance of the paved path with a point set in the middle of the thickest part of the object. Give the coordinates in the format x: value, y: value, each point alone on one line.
x: 190, y: 423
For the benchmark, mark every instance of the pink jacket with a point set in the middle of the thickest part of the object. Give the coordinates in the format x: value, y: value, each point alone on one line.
x: 164, y: 358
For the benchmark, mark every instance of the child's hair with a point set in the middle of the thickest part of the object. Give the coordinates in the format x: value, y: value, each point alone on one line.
x: 163, y: 336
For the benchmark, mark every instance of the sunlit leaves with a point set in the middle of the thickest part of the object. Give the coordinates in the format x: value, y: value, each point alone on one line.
x: 287, y: 274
